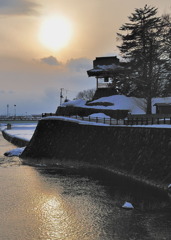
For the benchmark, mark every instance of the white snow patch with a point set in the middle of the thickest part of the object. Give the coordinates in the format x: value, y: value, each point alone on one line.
x: 120, y: 102
x: 128, y: 205
x: 75, y: 103
x: 68, y: 119
x: 22, y: 131
x: 99, y: 115
x: 14, y: 152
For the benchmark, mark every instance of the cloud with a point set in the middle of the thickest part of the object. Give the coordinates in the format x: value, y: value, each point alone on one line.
x: 79, y: 64
x: 35, y: 87
x: 18, y: 7
x: 50, y: 61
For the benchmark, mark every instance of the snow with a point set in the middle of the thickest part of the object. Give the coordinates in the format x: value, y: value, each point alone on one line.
x: 78, y: 121
x: 20, y: 130
x: 14, y: 152
x: 104, y: 68
x: 128, y: 205
x: 75, y: 103
x: 120, y: 102
x: 99, y: 115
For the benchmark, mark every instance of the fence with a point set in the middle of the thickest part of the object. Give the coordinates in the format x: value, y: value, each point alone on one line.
x: 106, y: 120
x: 142, y: 120
x: 127, y: 121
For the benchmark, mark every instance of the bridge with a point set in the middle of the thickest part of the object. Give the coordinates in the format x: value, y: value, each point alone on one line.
x: 24, y: 119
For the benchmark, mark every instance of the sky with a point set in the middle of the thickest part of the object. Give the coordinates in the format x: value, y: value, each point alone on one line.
x: 46, y: 45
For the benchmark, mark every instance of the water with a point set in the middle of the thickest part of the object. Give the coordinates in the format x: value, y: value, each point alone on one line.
x: 67, y: 204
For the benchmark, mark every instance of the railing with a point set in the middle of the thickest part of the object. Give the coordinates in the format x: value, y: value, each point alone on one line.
x: 128, y: 121
x: 106, y: 120
x: 142, y: 120
x: 3, y: 119
x: 148, y: 120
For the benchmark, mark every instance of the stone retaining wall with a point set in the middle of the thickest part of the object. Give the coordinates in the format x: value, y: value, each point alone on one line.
x: 16, y: 141
x: 143, y: 152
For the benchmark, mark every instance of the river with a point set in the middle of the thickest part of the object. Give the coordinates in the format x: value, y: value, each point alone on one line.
x: 38, y: 203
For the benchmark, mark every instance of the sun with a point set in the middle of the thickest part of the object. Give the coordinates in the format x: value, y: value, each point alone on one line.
x: 55, y: 32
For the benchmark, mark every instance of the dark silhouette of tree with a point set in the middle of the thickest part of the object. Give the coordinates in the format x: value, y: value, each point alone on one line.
x: 86, y: 94
x: 144, y: 48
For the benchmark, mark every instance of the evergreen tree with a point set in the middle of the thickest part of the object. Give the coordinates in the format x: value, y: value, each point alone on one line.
x: 143, y: 48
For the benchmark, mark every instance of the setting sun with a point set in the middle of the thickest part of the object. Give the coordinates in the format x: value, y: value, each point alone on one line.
x: 55, y: 32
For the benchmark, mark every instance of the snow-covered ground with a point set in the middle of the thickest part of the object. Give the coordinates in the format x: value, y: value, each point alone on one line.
x: 120, y: 102
x: 14, y: 152
x: 20, y: 130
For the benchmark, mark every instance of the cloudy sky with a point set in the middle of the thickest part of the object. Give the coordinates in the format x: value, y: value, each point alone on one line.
x: 46, y: 45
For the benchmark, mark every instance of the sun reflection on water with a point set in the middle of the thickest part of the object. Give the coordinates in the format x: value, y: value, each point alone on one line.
x: 58, y: 218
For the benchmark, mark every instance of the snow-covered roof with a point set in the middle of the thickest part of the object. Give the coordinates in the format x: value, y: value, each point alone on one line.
x: 105, y: 70
x: 162, y: 104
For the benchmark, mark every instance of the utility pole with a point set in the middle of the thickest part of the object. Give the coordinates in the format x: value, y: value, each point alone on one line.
x: 61, y: 96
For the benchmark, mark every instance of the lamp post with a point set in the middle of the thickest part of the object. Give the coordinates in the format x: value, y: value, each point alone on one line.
x: 15, y: 110
x: 7, y: 110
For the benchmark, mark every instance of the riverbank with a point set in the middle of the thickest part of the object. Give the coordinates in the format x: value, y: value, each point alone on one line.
x: 137, y: 153
x: 18, y: 134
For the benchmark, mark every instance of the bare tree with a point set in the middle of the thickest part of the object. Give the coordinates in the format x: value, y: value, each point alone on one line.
x: 86, y: 94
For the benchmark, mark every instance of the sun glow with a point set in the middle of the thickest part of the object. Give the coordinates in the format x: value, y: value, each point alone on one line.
x: 55, y: 32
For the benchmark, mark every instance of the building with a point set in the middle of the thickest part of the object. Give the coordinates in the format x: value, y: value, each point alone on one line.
x: 163, y: 108
x: 105, y: 70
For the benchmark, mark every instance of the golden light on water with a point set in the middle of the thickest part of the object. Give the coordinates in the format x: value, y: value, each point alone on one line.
x: 55, y: 32
x: 58, y: 218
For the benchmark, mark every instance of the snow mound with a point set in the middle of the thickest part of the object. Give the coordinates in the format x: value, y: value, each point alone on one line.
x: 75, y: 103
x: 128, y: 205
x: 14, y: 152
x: 121, y: 102
x: 99, y: 115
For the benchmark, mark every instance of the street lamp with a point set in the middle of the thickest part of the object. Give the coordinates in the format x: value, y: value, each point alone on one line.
x: 15, y: 110
x: 7, y: 110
